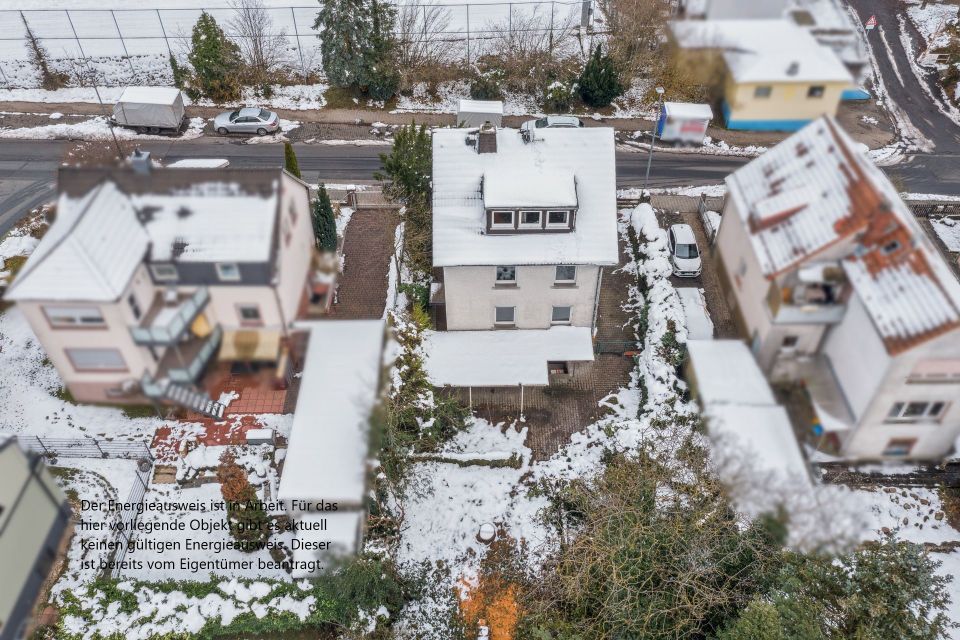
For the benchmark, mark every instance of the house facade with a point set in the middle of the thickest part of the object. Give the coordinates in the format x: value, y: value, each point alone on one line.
x: 835, y: 285
x: 148, y: 275
x: 34, y: 520
x: 523, y: 224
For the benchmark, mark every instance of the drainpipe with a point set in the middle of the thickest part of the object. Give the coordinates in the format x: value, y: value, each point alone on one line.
x: 596, y: 302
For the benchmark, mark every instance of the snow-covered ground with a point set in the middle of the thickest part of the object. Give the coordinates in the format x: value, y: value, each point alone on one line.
x: 97, y: 128
x: 948, y: 230
x: 931, y: 21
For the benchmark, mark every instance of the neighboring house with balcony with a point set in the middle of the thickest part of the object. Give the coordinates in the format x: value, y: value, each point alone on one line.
x: 523, y: 224
x: 34, y: 522
x: 148, y: 275
x: 834, y: 284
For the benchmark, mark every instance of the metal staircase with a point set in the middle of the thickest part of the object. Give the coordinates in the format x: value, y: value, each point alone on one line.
x: 201, y: 403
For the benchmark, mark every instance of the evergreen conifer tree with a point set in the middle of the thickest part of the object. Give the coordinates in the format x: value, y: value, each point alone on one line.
x: 216, y: 62
x: 324, y: 226
x: 600, y: 82
x: 290, y: 160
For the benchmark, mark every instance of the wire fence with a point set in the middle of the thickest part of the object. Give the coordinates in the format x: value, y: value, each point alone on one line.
x: 85, y: 448
x: 133, y: 46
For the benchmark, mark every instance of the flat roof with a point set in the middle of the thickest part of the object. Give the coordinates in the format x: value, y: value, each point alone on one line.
x: 726, y: 371
x: 503, y: 358
x: 481, y: 106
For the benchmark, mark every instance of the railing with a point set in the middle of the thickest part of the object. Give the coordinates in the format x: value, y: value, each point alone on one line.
x: 170, y: 331
x: 85, y: 448
x: 189, y: 373
x: 128, y: 519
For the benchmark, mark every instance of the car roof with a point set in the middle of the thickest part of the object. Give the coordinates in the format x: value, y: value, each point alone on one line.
x: 569, y: 120
x: 250, y: 111
x: 683, y: 234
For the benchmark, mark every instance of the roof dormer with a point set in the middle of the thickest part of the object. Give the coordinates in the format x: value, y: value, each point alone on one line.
x: 529, y: 202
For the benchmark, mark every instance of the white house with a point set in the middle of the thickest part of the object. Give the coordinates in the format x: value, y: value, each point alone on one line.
x: 835, y: 284
x: 148, y: 275
x: 523, y: 224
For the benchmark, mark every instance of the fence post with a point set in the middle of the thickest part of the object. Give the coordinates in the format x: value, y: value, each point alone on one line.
x: 552, y: 3
x: 4, y: 76
x: 510, y: 18
x: 123, y: 43
x: 96, y: 443
x: 468, y: 35
x: 164, y: 32
x: 43, y: 446
x: 296, y: 32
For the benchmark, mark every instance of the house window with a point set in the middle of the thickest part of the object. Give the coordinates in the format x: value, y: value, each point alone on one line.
x: 228, y: 271
x: 134, y: 306
x: 566, y: 274
x: 530, y: 219
x: 558, y: 368
x: 505, y: 315
x: 96, y: 359
x: 558, y: 219
x: 815, y: 91
x: 163, y: 272
x: 506, y: 275
x: 762, y: 92
x: 249, y: 315
x: 502, y: 220
x: 915, y: 411
x: 71, y: 317
x: 899, y: 446
x: 561, y: 315
x: 790, y: 342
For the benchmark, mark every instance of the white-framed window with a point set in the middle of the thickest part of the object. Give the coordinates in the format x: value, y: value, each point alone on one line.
x: 561, y: 315
x: 916, y: 411
x: 531, y: 219
x: 96, y: 359
x: 506, y: 275
x: 558, y: 219
x: 134, y: 306
x: 566, y: 274
x: 228, y: 271
x: 68, y: 316
x: 164, y: 272
x: 505, y: 315
x: 501, y: 219
x: 249, y: 314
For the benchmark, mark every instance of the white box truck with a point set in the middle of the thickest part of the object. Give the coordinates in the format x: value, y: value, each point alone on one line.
x: 150, y: 110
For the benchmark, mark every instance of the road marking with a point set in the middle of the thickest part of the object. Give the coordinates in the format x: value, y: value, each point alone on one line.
x: 893, y: 60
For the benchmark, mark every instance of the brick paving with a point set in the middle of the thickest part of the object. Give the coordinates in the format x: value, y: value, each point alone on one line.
x: 553, y: 414
x: 367, y: 250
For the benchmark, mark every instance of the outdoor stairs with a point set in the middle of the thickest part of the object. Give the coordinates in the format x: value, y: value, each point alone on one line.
x: 199, y: 402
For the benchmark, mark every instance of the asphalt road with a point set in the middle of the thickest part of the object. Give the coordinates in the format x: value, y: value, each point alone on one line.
x: 28, y: 167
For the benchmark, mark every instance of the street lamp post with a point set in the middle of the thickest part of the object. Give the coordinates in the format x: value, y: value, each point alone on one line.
x: 653, y: 138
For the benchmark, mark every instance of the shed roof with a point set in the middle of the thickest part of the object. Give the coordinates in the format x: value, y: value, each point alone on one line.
x: 150, y: 95
x: 556, y: 156
x: 688, y: 110
x: 481, y: 106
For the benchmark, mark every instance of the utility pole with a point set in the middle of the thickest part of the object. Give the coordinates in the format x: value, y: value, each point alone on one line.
x: 653, y: 137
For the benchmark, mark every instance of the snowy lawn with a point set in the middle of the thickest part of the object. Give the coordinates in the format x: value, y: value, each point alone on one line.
x: 948, y: 230
x: 97, y: 128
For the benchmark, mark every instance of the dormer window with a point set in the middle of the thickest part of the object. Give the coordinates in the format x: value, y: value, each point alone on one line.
x: 558, y: 219
x: 530, y: 219
x: 501, y: 220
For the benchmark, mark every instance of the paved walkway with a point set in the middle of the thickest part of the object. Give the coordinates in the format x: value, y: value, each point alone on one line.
x: 367, y: 251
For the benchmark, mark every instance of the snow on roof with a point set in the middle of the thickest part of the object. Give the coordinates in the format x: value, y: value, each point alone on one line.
x: 688, y: 110
x: 459, y: 236
x: 199, y: 163
x: 329, y: 440
x: 537, y: 188
x: 89, y: 253
x: 726, y: 371
x: 764, y: 50
x: 480, y: 106
x: 502, y: 358
x: 817, y: 189
x: 340, y: 528
x: 150, y: 95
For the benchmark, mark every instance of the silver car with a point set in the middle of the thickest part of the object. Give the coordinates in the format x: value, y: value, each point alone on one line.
x: 247, y: 120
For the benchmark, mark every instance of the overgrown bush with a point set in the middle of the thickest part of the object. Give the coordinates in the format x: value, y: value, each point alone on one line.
x: 248, y: 520
x: 600, y: 81
x: 216, y: 63
x: 487, y: 85
x: 50, y: 78
x: 559, y: 96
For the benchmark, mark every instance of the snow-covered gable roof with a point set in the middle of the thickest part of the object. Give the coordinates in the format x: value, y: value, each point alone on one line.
x: 329, y: 439
x: 109, y: 220
x: 828, y: 192
x: 764, y: 50
x: 538, y: 187
x: 90, y: 253
x: 502, y: 358
x: 585, y: 154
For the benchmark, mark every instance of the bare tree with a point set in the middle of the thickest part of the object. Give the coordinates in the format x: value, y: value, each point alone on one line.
x: 635, y: 30
x: 264, y: 47
x: 421, y: 40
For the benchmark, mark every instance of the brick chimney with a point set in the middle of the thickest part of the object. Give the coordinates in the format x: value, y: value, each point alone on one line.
x: 487, y: 139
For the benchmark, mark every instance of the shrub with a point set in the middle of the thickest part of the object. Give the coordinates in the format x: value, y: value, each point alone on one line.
x: 487, y: 85
x: 248, y: 520
x: 559, y: 97
x: 324, y: 225
x: 50, y: 79
x: 600, y: 82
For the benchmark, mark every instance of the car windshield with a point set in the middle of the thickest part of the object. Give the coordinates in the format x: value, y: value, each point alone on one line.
x: 264, y: 114
x: 234, y: 115
x: 687, y: 251
x: 542, y: 122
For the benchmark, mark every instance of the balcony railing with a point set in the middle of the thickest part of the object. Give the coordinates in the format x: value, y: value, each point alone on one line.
x: 182, y: 364
x: 191, y: 371
x: 806, y: 303
x: 164, y: 326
